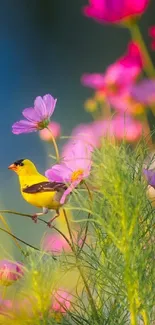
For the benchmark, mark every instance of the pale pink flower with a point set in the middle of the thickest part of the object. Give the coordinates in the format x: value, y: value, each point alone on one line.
x: 75, y: 167
x: 85, y: 132
x: 55, y: 129
x: 61, y: 301
x: 55, y: 243
x: 121, y: 127
x: 144, y: 91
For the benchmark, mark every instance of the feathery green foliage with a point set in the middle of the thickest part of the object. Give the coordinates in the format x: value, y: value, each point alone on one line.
x: 113, y: 274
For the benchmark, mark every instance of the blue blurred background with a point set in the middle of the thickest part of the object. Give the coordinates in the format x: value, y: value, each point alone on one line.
x: 46, y: 45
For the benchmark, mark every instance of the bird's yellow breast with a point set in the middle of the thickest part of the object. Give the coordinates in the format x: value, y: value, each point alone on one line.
x: 40, y: 200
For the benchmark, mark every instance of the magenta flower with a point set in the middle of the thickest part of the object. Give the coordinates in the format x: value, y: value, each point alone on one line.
x: 10, y: 272
x: 144, y: 91
x: 37, y: 118
x: 75, y: 167
x: 119, y: 76
x: 112, y: 11
x: 55, y: 129
x: 61, y: 301
x: 152, y: 35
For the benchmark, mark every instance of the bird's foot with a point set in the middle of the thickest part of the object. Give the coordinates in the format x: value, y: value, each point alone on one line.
x: 35, y: 218
x: 50, y: 222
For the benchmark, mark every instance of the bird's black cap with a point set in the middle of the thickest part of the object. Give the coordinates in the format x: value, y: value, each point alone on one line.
x: 19, y: 162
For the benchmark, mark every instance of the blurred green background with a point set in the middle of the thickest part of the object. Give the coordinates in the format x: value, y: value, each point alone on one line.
x: 46, y: 45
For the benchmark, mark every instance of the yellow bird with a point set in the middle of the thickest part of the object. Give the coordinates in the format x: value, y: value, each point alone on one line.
x: 36, y: 188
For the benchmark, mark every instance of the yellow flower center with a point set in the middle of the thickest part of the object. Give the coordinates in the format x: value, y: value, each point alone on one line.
x: 77, y: 175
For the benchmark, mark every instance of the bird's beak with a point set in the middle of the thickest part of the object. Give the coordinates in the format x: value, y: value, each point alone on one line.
x: 13, y: 167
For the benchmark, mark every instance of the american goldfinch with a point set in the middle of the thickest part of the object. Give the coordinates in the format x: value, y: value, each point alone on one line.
x: 36, y: 188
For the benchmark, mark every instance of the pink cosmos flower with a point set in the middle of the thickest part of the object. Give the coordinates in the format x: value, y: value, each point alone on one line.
x: 37, y: 118
x: 144, y: 91
x: 75, y: 167
x: 55, y: 243
x: 152, y: 35
x: 112, y: 11
x: 125, y: 103
x: 118, y: 79
x: 85, y: 132
x: 55, y: 128
x: 61, y: 301
x: 119, y: 75
x: 120, y: 127
x: 10, y: 272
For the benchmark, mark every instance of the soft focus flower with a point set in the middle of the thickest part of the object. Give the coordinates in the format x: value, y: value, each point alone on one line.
x: 5, y: 306
x: 119, y: 75
x: 152, y: 35
x: 55, y: 129
x: 112, y: 11
x: 75, y: 167
x: 37, y: 118
x: 150, y: 176
x: 125, y: 103
x: 120, y: 127
x: 55, y: 243
x: 61, y: 301
x: 116, y: 83
x: 10, y: 272
x: 144, y: 91
x: 85, y: 133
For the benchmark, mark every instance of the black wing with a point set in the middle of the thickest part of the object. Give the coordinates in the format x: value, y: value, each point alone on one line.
x: 44, y: 187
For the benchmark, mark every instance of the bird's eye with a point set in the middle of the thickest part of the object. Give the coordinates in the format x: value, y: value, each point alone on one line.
x: 21, y: 164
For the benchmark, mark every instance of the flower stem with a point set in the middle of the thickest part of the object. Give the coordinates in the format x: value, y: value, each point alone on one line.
x: 55, y: 145
x: 17, y: 238
x: 9, y: 230
x: 145, y: 317
x: 137, y: 36
x: 130, y: 291
x: 87, y: 223
x: 90, y: 297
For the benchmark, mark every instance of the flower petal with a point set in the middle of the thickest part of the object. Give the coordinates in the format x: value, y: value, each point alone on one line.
x: 77, y: 155
x: 94, y: 80
x: 144, y: 91
x: 40, y: 108
x: 23, y: 126
x: 59, y: 173
x: 31, y: 115
x: 50, y: 103
x: 69, y: 190
x: 150, y: 176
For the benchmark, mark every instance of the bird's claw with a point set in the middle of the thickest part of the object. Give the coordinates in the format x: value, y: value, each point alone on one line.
x: 35, y: 218
x: 49, y: 223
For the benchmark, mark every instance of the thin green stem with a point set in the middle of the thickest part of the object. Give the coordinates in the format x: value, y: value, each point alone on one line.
x: 69, y: 230
x: 137, y: 36
x: 90, y: 298
x: 87, y: 223
x: 145, y: 317
x: 17, y: 238
x: 55, y: 145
